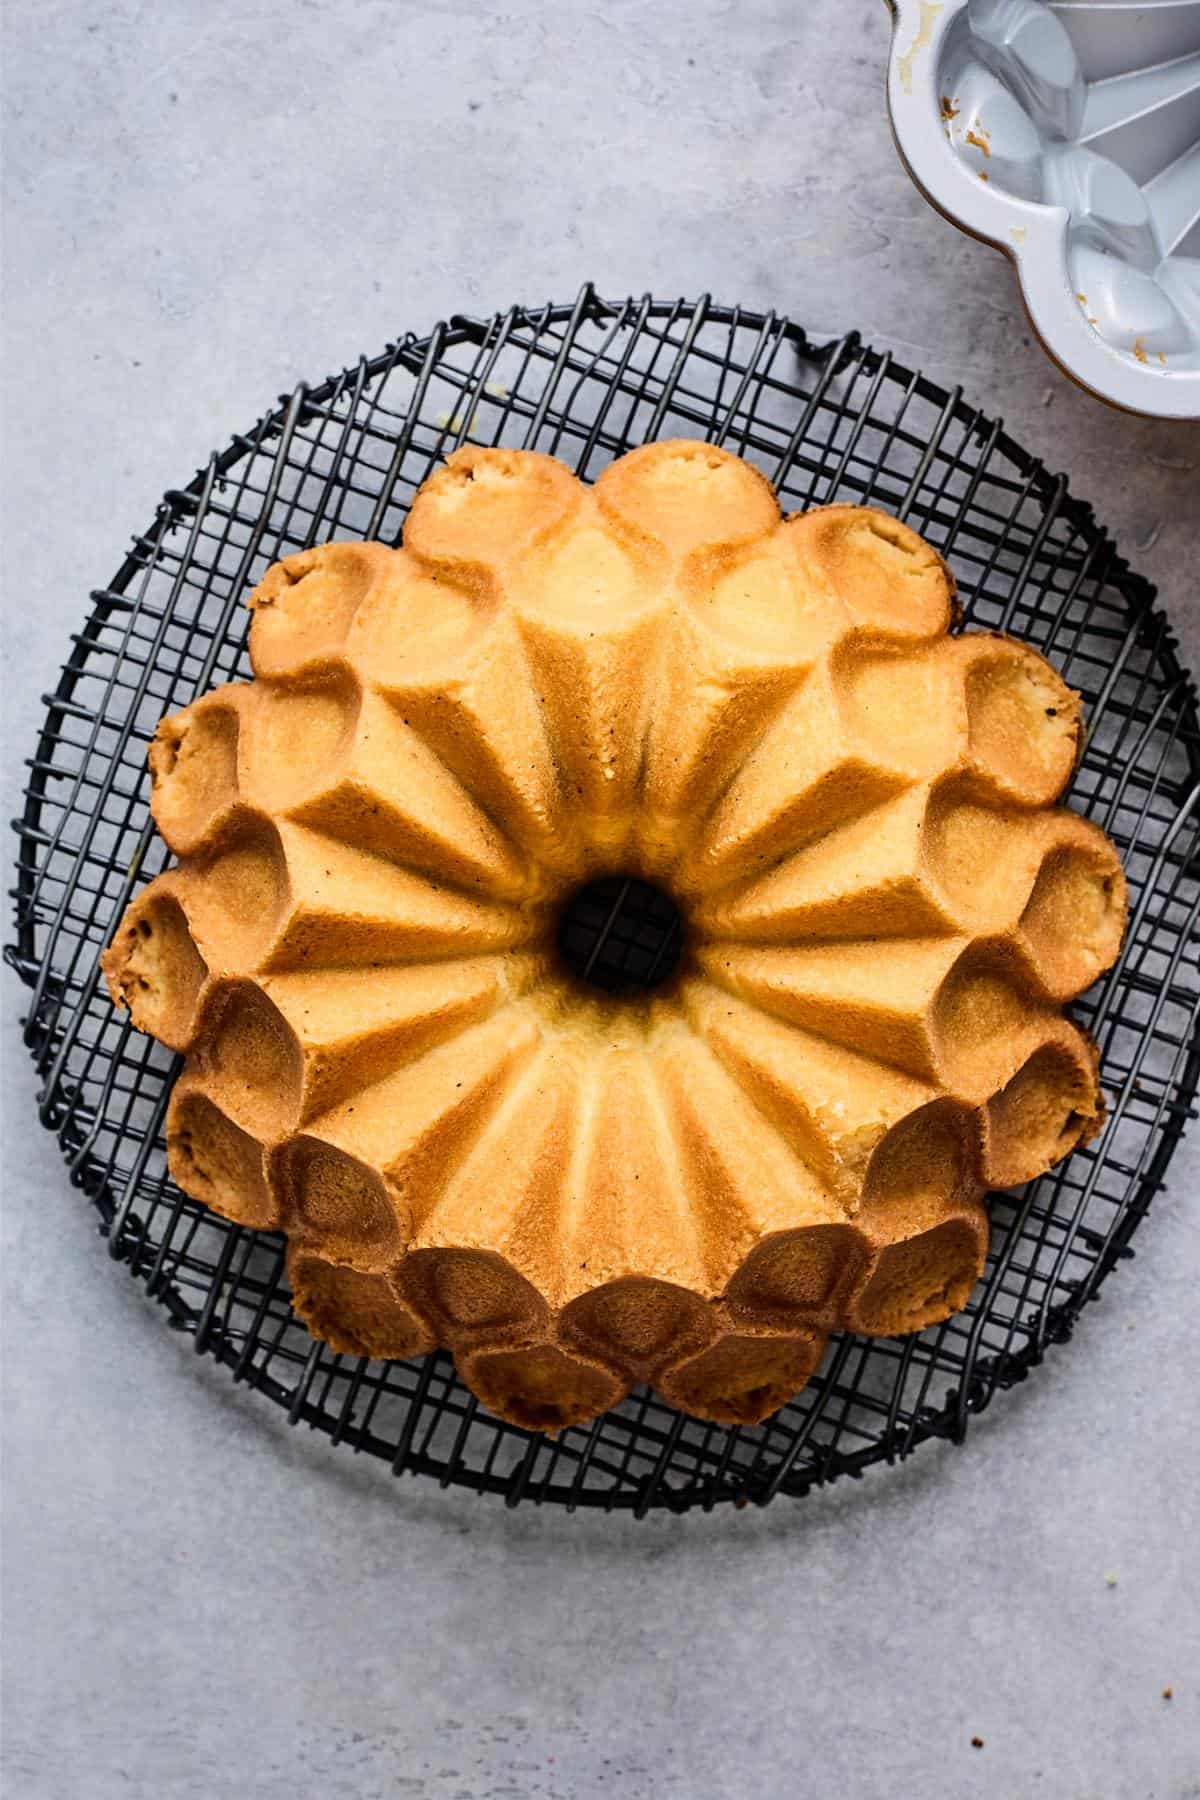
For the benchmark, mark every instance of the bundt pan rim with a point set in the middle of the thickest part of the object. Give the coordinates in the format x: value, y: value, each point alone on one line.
x: 587, y: 306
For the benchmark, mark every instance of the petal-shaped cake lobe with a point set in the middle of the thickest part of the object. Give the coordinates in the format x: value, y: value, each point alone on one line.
x: 881, y: 915
x: 960, y: 837
x: 303, y: 607
x: 885, y: 576
x: 628, y: 1211
x: 907, y: 868
x: 294, y: 737
x: 806, y: 773
x: 390, y: 794
x: 154, y: 967
x: 486, y: 509
x: 235, y: 894
x: 860, y: 878
x: 983, y: 1023
x: 438, y: 644
x: 744, y: 1180
x: 486, y: 1255
x: 742, y: 641
x: 356, y: 1314
x: 418, y: 626
x: 924, y: 1227
x: 1024, y: 723
x: 752, y: 602
x: 347, y: 906
x: 484, y: 722
x: 832, y: 1105
x: 796, y: 1279
x: 1071, y: 928
x: 688, y: 498
x: 354, y: 1026
x: 877, y: 998
x: 633, y: 1268
x: 338, y: 1204
x: 712, y: 705
x: 903, y: 708
x: 745, y: 1376
x: 214, y: 1160
x: 194, y: 768
x: 541, y: 1387
x: 249, y: 1060
x: 361, y: 1179
x: 1049, y: 1106
x: 592, y: 611
x: 923, y: 1275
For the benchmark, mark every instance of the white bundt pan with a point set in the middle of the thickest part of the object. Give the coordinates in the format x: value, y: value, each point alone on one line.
x: 1068, y: 135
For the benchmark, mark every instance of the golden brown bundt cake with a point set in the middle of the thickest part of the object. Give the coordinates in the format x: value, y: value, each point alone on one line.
x: 883, y: 912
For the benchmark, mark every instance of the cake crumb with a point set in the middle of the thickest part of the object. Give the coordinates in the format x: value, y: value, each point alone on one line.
x: 1139, y: 349
x: 977, y: 1743
x: 1168, y: 1693
x: 979, y: 137
x: 496, y: 389
x: 1110, y: 1581
x: 950, y: 108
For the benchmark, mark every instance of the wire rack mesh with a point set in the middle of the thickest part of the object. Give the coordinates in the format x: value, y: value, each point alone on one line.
x: 587, y: 381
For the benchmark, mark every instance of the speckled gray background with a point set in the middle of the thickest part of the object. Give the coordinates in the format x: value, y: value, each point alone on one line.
x: 207, y: 200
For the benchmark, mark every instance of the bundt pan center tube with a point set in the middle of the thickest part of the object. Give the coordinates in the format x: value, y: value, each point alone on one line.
x: 422, y: 1037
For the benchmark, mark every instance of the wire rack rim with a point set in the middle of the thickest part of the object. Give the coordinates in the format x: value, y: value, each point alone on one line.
x: 415, y: 353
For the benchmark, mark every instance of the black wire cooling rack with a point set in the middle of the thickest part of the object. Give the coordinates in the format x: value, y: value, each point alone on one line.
x: 587, y: 381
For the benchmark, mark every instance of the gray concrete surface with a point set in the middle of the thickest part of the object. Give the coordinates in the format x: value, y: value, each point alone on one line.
x: 206, y: 200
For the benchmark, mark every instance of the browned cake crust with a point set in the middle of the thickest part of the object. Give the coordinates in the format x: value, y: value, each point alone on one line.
x: 884, y: 913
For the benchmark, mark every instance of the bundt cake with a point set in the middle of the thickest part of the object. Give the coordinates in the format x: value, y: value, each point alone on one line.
x: 658, y: 676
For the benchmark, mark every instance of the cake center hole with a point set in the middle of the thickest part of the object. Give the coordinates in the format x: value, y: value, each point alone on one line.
x: 620, y: 934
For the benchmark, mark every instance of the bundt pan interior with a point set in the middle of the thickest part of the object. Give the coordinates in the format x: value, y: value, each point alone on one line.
x: 1067, y: 133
